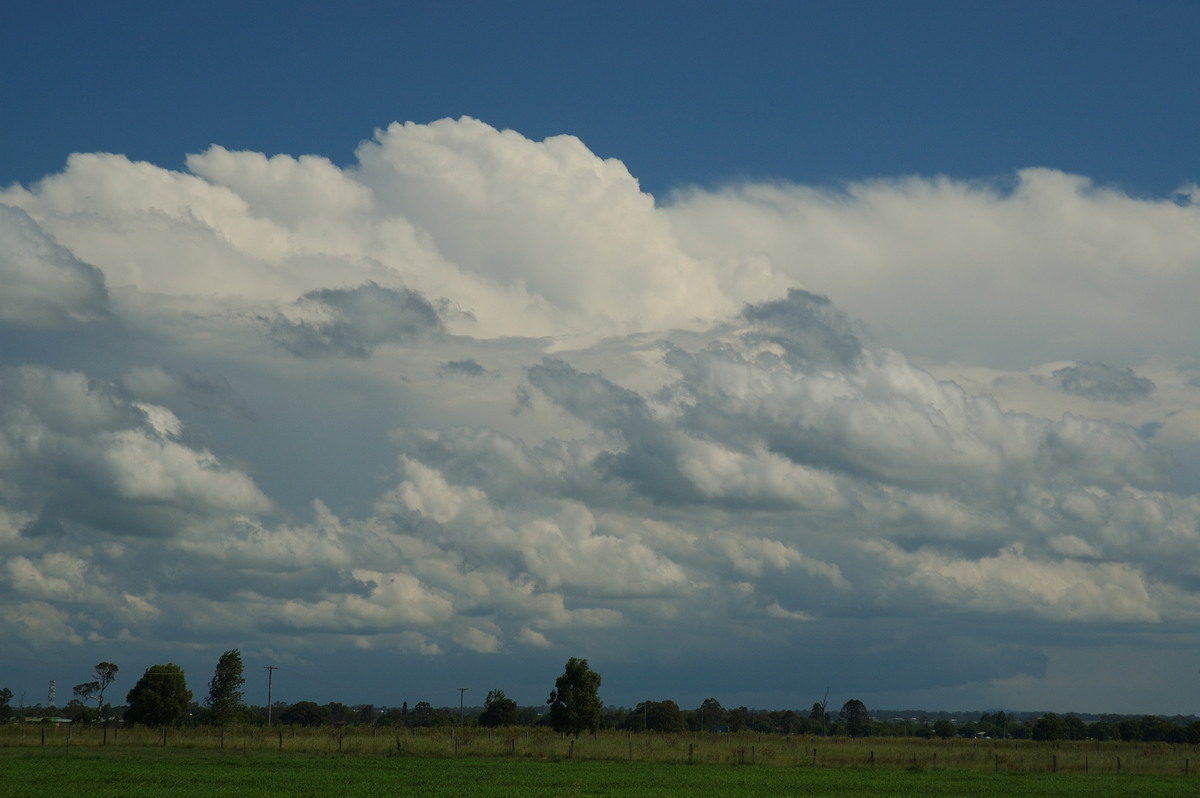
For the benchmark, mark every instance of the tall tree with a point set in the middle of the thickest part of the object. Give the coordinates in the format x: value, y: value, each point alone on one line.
x: 225, y: 690
x: 711, y: 714
x: 6, y: 711
x: 858, y: 721
x: 575, y: 702
x: 106, y: 673
x: 498, y: 710
x: 160, y: 697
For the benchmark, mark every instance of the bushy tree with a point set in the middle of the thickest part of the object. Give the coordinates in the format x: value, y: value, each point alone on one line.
x: 1051, y: 727
x: 498, y: 710
x: 663, y: 716
x: 340, y: 714
x: 710, y: 714
x: 160, y: 697
x: 858, y: 721
x: 425, y: 715
x: 305, y: 713
x: 225, y: 690
x: 6, y: 711
x: 575, y: 702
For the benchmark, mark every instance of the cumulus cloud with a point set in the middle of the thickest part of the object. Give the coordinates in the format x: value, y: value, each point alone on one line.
x: 45, y: 286
x: 1008, y: 273
x: 480, y: 395
x: 1008, y: 582
x: 75, y: 451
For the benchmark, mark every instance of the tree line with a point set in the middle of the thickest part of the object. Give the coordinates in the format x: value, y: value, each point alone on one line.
x: 161, y: 698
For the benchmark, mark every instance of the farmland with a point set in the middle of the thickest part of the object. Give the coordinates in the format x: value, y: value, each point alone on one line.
x: 38, y: 760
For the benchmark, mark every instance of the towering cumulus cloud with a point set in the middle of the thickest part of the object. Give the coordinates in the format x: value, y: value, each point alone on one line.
x: 478, y: 395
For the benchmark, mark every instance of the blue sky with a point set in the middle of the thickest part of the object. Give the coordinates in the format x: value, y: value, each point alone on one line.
x: 748, y: 351
x: 681, y: 92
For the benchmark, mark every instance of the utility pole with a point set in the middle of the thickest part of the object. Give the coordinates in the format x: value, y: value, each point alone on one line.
x: 270, y: 675
x: 461, y: 691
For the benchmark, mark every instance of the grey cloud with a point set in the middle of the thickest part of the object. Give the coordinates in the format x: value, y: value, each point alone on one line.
x: 44, y: 285
x: 354, y: 322
x: 465, y: 368
x: 876, y: 446
x: 647, y: 459
x: 84, y: 455
x: 210, y: 394
x: 1101, y: 382
x: 809, y: 329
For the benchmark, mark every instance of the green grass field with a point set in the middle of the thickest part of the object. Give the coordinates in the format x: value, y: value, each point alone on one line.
x: 63, y: 761
x: 122, y: 772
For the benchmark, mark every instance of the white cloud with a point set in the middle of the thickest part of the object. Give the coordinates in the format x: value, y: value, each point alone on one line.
x: 45, y: 286
x: 480, y: 395
x: 1009, y: 583
x: 1047, y: 268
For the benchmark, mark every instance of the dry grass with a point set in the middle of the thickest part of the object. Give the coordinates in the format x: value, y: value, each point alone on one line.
x: 884, y: 753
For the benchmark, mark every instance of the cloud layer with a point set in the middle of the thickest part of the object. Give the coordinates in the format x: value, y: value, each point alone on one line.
x: 478, y: 395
